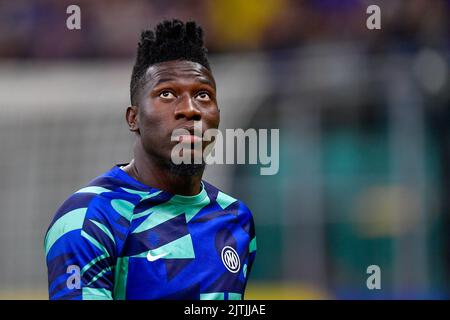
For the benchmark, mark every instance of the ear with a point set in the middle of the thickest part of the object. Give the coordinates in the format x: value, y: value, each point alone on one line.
x: 132, y: 118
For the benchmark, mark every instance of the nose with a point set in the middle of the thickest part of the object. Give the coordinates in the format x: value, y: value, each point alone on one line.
x: 186, y: 108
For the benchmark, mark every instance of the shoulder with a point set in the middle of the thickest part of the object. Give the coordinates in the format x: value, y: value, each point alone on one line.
x: 80, y: 201
x: 89, y: 210
x: 227, y: 201
x: 231, y: 204
x: 97, y: 195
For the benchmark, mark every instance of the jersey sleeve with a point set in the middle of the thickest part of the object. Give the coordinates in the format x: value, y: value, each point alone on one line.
x: 80, y: 251
x: 247, y: 223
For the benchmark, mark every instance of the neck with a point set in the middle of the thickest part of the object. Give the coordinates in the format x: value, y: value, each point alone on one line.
x: 150, y: 172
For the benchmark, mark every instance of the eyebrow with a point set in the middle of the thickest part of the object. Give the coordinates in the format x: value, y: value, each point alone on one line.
x: 162, y: 80
x: 200, y: 79
x: 207, y: 81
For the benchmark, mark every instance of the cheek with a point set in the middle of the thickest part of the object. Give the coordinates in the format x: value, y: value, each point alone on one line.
x: 151, y: 125
x: 212, y: 118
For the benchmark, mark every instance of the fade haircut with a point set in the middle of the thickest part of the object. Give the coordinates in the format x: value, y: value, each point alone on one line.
x: 171, y: 40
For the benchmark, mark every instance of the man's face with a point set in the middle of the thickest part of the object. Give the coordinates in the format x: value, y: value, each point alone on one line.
x: 176, y: 94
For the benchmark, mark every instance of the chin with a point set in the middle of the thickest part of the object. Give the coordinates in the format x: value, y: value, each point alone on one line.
x: 187, y: 169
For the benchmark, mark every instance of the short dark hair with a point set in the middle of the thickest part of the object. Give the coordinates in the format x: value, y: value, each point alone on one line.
x: 171, y: 40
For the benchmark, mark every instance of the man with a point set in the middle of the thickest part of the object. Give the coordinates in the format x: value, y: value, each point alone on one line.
x: 151, y: 229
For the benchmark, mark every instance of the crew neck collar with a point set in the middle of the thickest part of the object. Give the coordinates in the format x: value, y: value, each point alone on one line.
x: 199, y: 197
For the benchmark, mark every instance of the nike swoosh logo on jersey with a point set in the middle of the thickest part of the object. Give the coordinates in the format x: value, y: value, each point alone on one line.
x: 152, y: 258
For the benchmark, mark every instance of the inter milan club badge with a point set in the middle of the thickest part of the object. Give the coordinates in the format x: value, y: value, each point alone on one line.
x: 230, y: 259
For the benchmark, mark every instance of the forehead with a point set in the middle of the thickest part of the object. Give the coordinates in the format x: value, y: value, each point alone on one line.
x: 178, y: 70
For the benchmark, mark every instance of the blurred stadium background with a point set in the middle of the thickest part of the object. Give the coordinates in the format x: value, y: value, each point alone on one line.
x: 364, y: 123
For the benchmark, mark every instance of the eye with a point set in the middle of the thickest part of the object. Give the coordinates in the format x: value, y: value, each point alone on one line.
x: 166, y: 95
x: 203, y: 96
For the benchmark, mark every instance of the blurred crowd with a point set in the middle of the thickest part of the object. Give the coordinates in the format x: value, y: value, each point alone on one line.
x: 110, y: 28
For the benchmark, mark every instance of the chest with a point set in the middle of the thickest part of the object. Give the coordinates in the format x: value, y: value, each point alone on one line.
x: 181, y: 260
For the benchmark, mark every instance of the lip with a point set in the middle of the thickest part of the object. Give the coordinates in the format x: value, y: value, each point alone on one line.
x: 189, y: 138
x: 190, y: 129
x: 195, y: 135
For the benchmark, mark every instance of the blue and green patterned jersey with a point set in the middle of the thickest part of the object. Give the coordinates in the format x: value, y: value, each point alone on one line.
x: 120, y: 239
